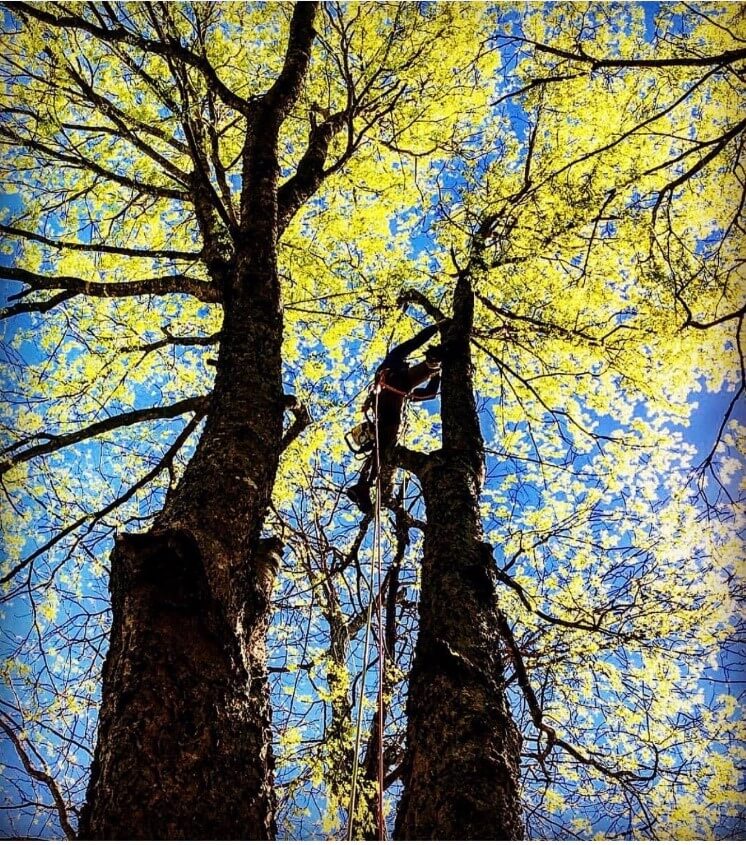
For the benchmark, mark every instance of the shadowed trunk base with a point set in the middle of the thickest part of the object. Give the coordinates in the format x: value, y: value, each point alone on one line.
x: 179, y: 708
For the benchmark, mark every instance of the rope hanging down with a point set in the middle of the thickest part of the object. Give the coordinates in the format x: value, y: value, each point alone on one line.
x: 375, y: 568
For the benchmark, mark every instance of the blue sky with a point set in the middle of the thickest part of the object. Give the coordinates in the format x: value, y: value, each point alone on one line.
x: 700, y: 433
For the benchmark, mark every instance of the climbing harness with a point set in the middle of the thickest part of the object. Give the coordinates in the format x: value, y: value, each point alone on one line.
x: 382, y: 384
x: 361, y: 440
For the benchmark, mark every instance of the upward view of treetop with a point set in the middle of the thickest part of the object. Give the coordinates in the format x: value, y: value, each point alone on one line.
x: 217, y: 219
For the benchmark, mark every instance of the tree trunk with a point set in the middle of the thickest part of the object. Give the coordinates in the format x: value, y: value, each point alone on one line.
x: 184, y: 741
x: 184, y: 737
x: 461, y: 776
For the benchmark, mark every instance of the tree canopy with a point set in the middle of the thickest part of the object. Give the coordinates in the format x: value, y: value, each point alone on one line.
x: 585, y: 161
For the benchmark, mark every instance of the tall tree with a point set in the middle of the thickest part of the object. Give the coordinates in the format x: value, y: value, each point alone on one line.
x: 560, y: 208
x: 184, y: 701
x: 461, y: 776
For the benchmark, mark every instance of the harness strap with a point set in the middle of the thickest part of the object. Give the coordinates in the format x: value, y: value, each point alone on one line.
x: 382, y: 384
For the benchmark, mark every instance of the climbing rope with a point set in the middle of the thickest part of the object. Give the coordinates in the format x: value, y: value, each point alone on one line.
x: 375, y: 569
x: 381, y: 643
x: 381, y: 820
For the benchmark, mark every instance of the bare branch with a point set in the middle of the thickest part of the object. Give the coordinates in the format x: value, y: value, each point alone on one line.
x: 163, y: 464
x: 537, y: 714
x: 53, y: 442
x: 175, y: 340
x: 690, y: 322
x: 721, y: 144
x: 534, y: 83
x: 42, y: 777
x: 727, y: 57
x: 133, y: 252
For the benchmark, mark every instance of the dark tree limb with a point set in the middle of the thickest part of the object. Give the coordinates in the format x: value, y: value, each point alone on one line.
x: 690, y: 322
x: 42, y: 777
x: 534, y: 83
x: 595, y: 627
x: 163, y: 464
x: 707, y: 462
x: 537, y: 716
x: 302, y: 418
x: 124, y: 123
x: 286, y: 88
x: 411, y: 460
x: 80, y: 162
x: 720, y: 144
x: 133, y: 252
x: 175, y: 340
x: 412, y: 296
x: 727, y: 57
x: 53, y: 442
x: 116, y: 33
x: 71, y: 286
x: 310, y: 172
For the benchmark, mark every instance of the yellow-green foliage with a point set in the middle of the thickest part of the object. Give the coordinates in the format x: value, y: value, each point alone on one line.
x: 588, y: 374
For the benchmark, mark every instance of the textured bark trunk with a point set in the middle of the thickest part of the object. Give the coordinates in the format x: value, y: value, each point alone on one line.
x: 461, y: 779
x: 184, y: 738
x: 184, y: 742
x: 461, y: 776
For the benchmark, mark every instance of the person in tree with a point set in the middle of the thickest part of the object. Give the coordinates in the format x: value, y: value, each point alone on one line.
x: 395, y: 383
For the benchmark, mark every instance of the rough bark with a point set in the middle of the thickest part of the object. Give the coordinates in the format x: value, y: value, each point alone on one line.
x: 183, y: 748
x: 463, y: 749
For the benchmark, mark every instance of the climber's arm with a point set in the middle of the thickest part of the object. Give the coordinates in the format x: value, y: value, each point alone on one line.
x: 429, y: 391
x: 400, y: 352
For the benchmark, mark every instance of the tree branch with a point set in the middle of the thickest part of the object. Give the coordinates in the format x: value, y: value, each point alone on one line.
x: 53, y: 442
x: 71, y: 286
x: 727, y: 57
x: 411, y: 296
x: 162, y: 465
x: 82, y: 163
x: 285, y: 89
x: 537, y: 714
x: 721, y: 144
x: 413, y: 461
x: 42, y: 777
x: 175, y: 340
x: 132, y: 252
x: 126, y: 132
x: 119, y: 34
x: 690, y: 322
x: 310, y: 172
x: 301, y: 421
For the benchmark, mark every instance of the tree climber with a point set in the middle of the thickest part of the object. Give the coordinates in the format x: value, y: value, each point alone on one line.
x: 395, y: 383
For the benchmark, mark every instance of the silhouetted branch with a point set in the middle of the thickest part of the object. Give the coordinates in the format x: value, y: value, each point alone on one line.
x: 53, y: 442
x: 42, y: 777
x: 168, y: 254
